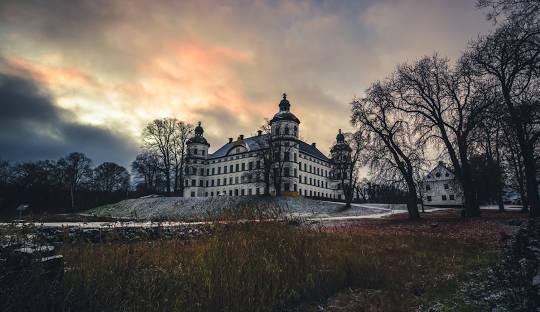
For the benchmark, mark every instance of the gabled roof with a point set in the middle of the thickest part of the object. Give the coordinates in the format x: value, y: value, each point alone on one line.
x: 446, y: 173
x: 253, y: 143
x: 259, y: 142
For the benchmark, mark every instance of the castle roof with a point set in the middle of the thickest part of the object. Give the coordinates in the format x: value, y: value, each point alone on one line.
x: 258, y: 142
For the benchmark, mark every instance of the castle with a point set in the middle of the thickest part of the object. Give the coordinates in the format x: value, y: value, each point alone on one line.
x: 277, y: 162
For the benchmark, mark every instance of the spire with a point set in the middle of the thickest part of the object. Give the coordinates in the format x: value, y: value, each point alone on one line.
x: 284, y: 105
x: 340, y: 138
x: 199, y: 130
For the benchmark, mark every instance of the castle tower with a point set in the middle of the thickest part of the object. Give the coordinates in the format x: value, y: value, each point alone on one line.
x: 340, y: 160
x: 197, y: 153
x: 285, y: 149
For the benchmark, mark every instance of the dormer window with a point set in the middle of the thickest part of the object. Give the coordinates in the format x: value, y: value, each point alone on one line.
x: 438, y: 174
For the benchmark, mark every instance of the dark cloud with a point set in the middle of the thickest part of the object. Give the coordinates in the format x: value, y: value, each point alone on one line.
x: 32, y: 127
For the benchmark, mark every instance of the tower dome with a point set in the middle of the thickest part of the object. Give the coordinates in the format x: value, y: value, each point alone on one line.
x: 340, y: 138
x: 199, y: 130
x: 284, y: 111
x: 198, y: 138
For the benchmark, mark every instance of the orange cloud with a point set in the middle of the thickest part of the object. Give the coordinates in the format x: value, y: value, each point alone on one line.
x: 54, y: 75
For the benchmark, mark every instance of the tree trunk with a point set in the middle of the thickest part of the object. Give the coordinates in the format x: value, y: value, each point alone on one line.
x: 412, y: 200
x: 72, y: 195
x: 471, y: 208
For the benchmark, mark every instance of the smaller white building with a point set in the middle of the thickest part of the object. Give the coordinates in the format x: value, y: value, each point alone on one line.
x: 440, y: 187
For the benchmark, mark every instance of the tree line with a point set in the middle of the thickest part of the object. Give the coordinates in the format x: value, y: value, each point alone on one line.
x: 481, y: 113
x: 68, y: 184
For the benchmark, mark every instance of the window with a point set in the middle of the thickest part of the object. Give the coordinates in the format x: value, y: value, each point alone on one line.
x: 258, y: 164
x: 428, y: 187
x: 257, y: 191
x: 236, y: 181
x: 230, y: 192
x: 295, y: 172
x: 230, y: 180
x: 192, y: 194
x: 213, y: 182
x: 231, y: 168
x: 213, y: 170
x: 193, y: 182
x: 250, y: 165
x: 300, y: 178
x: 250, y: 192
x: 237, y: 167
x: 236, y: 192
x: 218, y: 170
x: 218, y: 182
x: 295, y: 157
x: 243, y: 166
x: 243, y: 192
x: 286, y: 187
x: 446, y: 186
x: 201, y: 183
x: 205, y: 194
x: 286, y: 171
x: 438, y: 174
x: 452, y: 197
x: 224, y: 169
x: 287, y: 130
x: 202, y: 152
x: 211, y: 193
x: 195, y: 151
x: 429, y: 198
x: 295, y: 187
x: 224, y: 181
x: 286, y: 156
x: 444, y: 197
x: 208, y: 171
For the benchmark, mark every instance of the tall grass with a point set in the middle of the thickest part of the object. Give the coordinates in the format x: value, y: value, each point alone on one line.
x: 263, y: 267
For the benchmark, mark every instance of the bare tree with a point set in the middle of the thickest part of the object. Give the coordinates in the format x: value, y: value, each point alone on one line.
x: 511, y: 56
x: 159, y: 137
x: 75, y: 169
x: 179, y: 153
x: 146, y: 168
x: 391, y: 145
x: 446, y: 106
x: 110, y: 177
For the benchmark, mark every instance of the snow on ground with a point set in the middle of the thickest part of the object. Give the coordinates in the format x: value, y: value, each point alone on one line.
x: 149, y: 208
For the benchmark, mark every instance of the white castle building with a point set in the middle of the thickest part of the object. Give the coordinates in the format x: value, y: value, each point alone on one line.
x: 240, y: 167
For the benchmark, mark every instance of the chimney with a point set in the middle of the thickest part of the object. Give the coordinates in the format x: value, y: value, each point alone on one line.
x: 259, y: 132
x: 230, y: 140
x: 314, y: 144
x: 241, y: 136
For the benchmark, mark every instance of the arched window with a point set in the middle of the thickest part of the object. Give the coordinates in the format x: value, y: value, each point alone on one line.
x: 286, y: 130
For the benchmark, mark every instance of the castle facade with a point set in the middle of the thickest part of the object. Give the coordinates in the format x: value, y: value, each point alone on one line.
x: 274, y: 162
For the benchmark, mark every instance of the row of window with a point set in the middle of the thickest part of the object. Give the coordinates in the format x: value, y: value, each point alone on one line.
x: 313, y: 169
x: 314, y: 182
x: 443, y: 197
x: 446, y: 187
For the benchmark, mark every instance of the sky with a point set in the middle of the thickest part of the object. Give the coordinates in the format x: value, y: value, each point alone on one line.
x: 88, y: 75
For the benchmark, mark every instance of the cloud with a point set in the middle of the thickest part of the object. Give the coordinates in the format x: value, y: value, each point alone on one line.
x: 117, y: 64
x: 33, y: 127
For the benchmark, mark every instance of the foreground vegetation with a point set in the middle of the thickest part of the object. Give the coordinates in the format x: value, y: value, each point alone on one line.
x: 262, y: 268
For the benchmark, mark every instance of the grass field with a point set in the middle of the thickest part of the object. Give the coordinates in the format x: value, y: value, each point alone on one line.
x: 395, y: 265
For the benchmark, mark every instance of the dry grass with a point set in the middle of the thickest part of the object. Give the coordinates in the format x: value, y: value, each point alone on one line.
x: 391, y: 265
x: 265, y: 268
